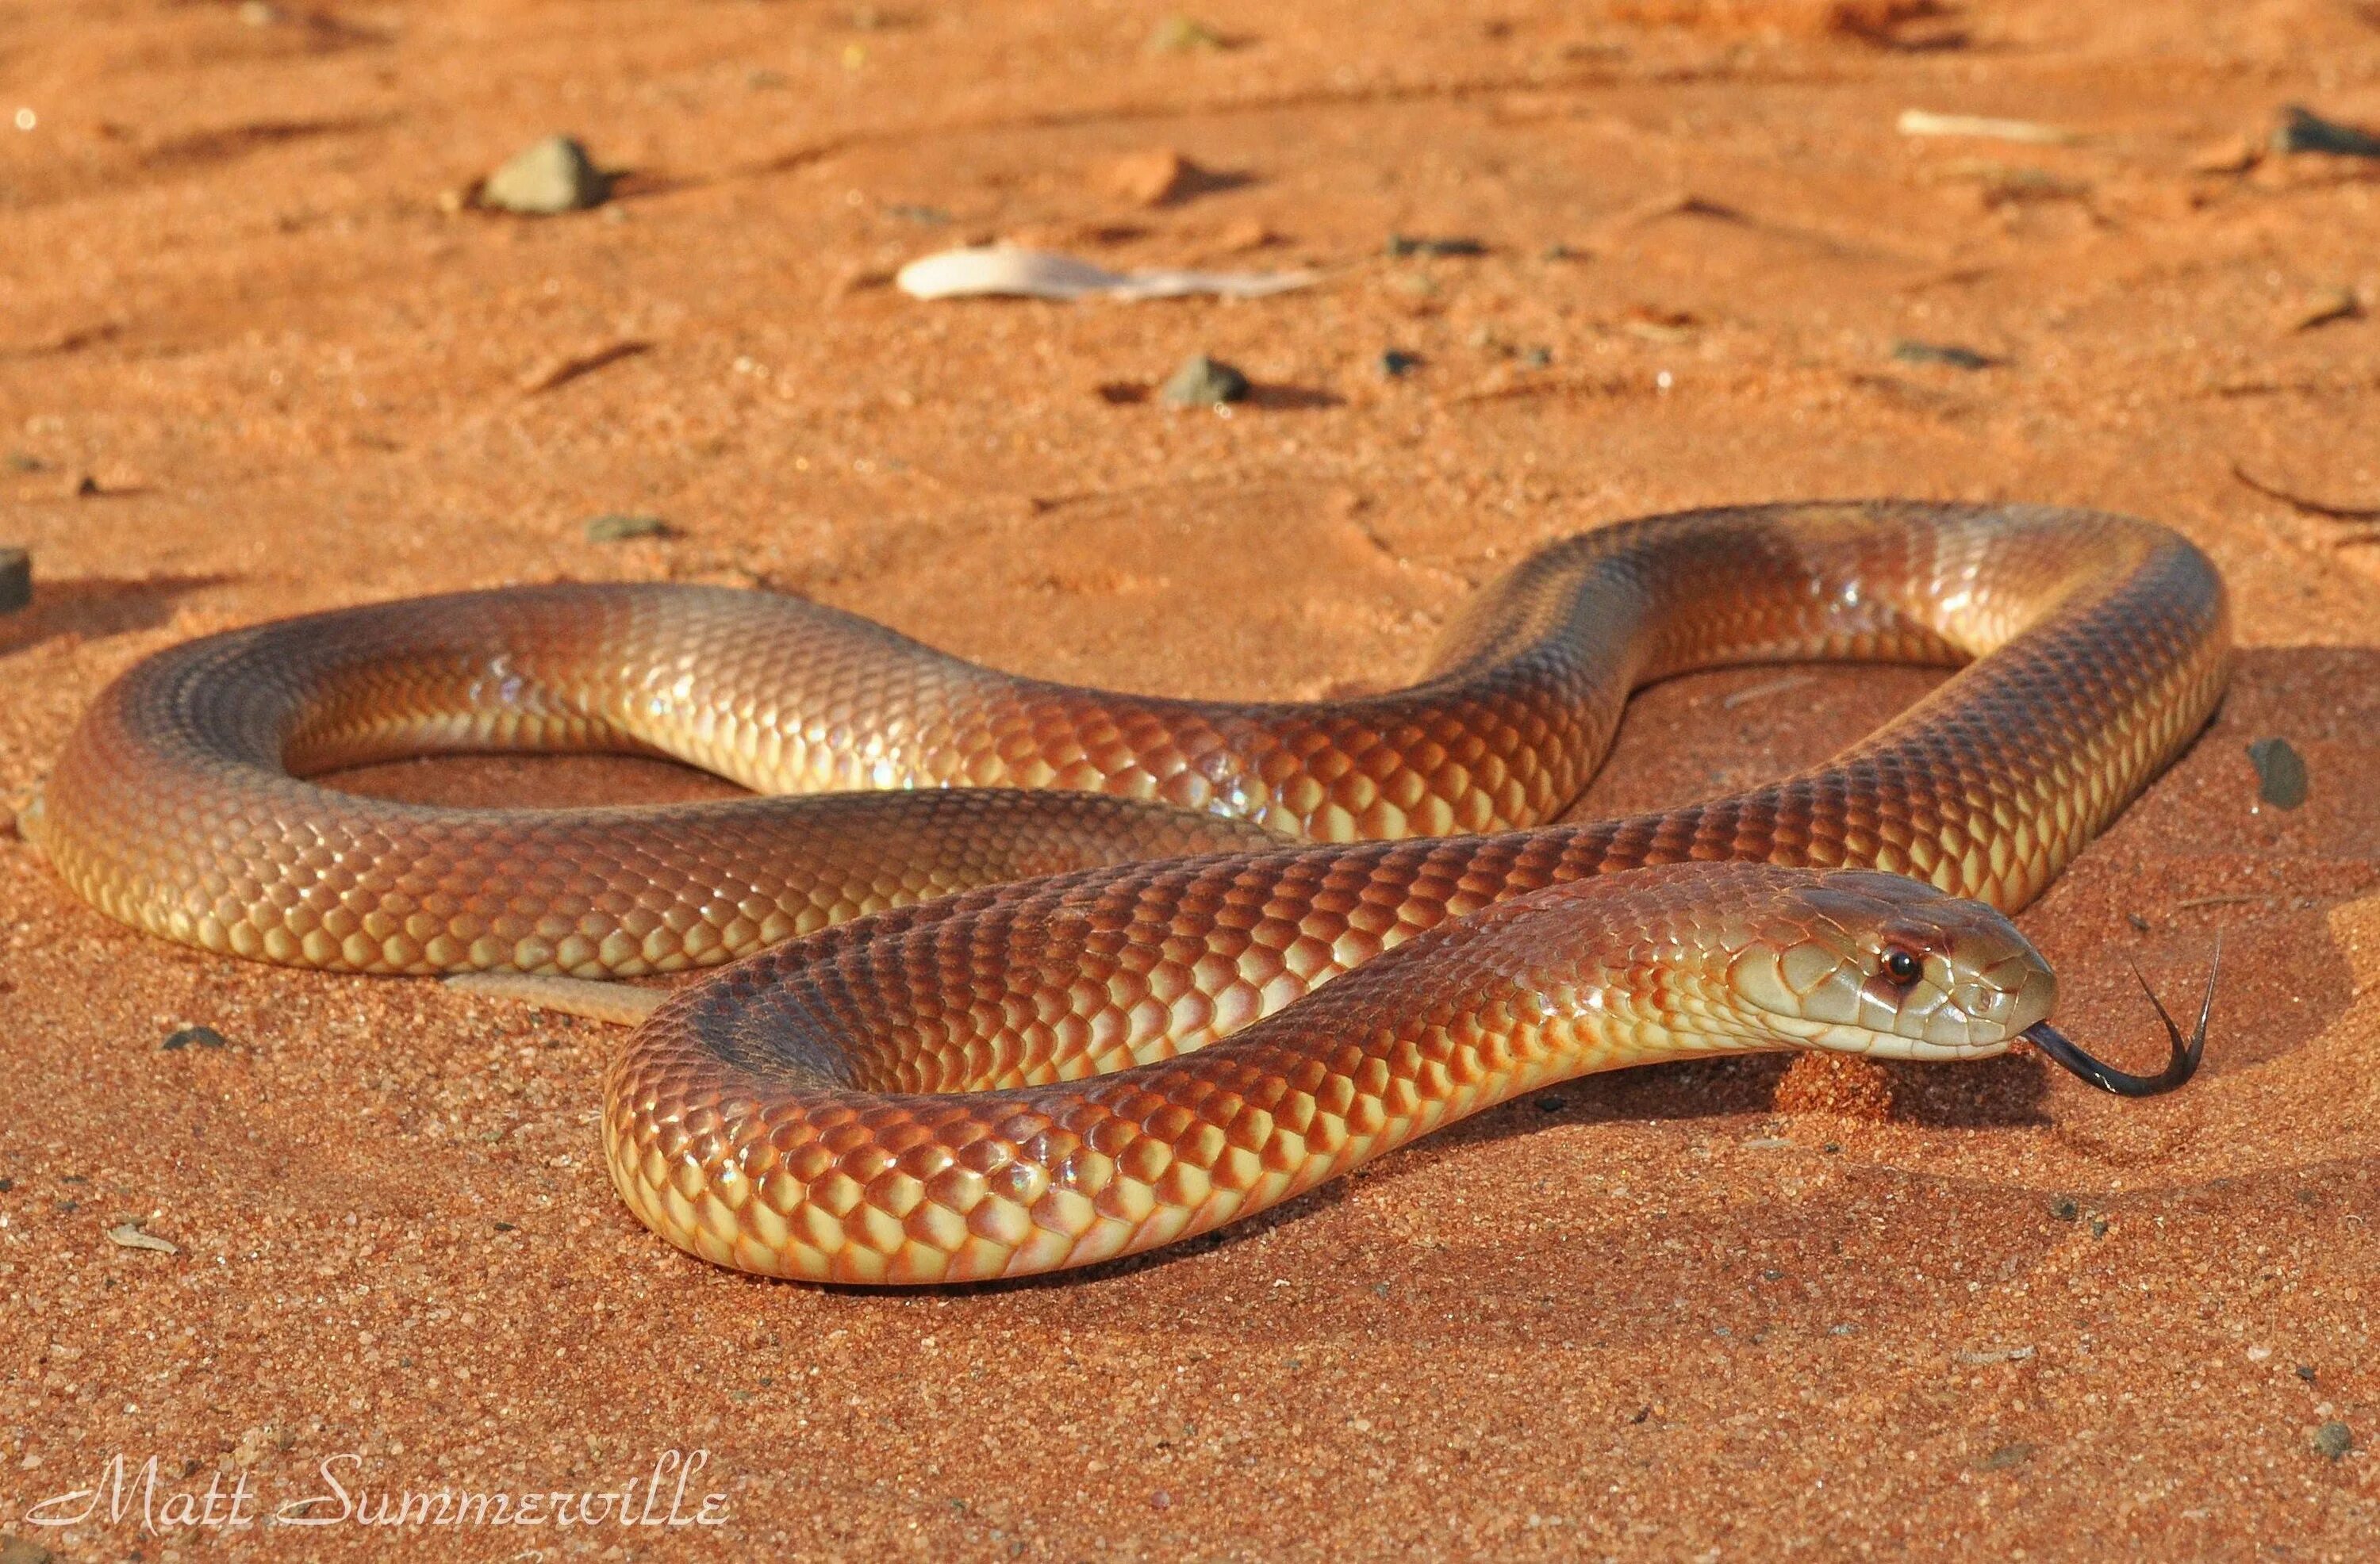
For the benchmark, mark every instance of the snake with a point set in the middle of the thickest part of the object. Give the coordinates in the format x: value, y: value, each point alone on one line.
x: 1016, y: 976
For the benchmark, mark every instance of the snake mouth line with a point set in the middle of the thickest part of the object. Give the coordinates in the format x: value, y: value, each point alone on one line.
x: 2179, y: 1067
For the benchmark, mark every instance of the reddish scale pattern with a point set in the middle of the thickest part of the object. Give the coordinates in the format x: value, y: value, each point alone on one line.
x: 755, y: 1126
x: 2098, y: 647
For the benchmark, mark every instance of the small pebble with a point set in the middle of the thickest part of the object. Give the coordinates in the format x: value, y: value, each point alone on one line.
x: 2232, y: 154
x: 2280, y: 772
x: 2064, y: 1209
x: 2303, y: 130
x: 1153, y: 177
x: 1401, y: 245
x: 194, y: 1036
x: 1654, y: 324
x: 2305, y: 1372
x: 1396, y: 364
x: 1202, y: 382
x: 1161, y: 1499
x: 1244, y: 234
x: 16, y: 579
x: 620, y: 527
x: 2333, y: 1440
x: 555, y: 175
x: 1909, y: 351
x: 1178, y: 34
x: 2137, y: 921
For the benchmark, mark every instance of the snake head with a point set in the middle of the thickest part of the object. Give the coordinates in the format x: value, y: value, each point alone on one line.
x: 1860, y: 962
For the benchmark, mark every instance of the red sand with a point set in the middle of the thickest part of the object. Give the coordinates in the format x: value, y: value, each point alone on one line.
x: 1685, y: 1313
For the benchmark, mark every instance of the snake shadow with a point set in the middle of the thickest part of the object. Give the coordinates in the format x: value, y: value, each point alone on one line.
x: 95, y: 607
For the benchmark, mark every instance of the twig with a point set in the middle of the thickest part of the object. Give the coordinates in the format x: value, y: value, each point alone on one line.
x: 2299, y: 502
x: 564, y: 370
x: 2196, y: 902
x: 1756, y: 692
x: 619, y: 1003
x: 1919, y: 121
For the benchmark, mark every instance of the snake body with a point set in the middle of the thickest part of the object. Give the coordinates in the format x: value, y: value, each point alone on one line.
x: 981, y: 1077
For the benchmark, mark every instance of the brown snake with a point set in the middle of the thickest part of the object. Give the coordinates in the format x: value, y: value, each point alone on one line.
x: 1002, y: 1080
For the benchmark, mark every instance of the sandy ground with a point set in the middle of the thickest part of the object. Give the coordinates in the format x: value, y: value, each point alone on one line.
x: 248, y: 365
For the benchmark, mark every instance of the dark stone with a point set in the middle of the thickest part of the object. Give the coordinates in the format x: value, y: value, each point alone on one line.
x: 2303, y: 130
x: 1396, y: 364
x: 16, y: 579
x: 195, y: 1036
x: 2280, y: 772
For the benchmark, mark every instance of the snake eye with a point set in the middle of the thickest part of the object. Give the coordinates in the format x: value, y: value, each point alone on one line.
x: 1902, y: 966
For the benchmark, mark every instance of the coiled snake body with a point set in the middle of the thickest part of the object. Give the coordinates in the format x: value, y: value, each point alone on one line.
x: 990, y: 1074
